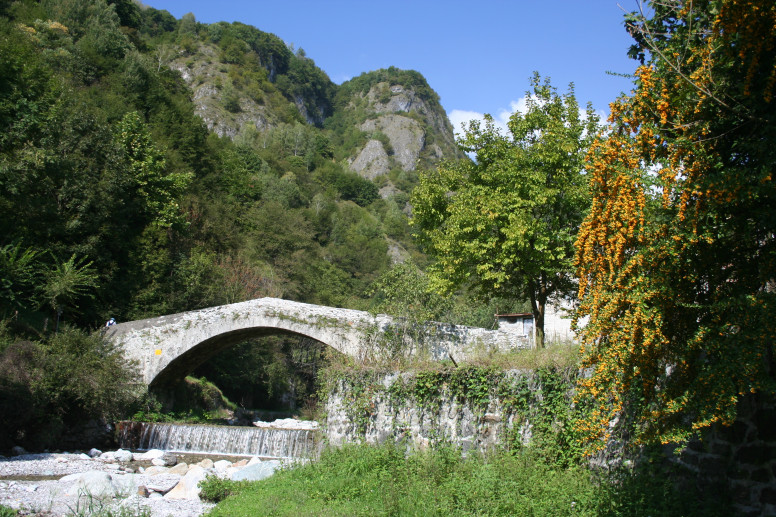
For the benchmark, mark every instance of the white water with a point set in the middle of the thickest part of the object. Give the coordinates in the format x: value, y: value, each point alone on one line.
x: 228, y: 440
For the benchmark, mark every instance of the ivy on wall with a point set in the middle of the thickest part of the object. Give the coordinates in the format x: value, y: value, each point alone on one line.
x: 536, y: 406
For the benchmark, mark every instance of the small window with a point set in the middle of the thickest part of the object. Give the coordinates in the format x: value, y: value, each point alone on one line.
x: 528, y: 326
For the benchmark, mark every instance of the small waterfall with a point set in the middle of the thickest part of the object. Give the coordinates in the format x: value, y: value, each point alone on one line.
x: 230, y: 440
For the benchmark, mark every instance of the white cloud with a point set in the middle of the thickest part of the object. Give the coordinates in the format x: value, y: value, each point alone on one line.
x: 459, y: 117
x: 500, y: 119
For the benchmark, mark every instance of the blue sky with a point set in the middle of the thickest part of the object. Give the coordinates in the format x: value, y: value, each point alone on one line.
x: 478, y: 55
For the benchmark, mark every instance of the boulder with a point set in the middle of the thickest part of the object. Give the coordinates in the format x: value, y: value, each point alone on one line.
x: 222, y: 465
x: 207, y: 463
x: 163, y: 484
x: 169, y: 459
x: 257, y: 471
x: 122, y: 456
x: 94, y: 453
x: 180, y: 469
x: 70, y: 478
x: 95, y: 483
x: 188, y: 486
x: 155, y: 471
x: 148, y: 455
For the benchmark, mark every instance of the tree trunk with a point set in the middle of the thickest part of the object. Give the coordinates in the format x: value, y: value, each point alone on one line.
x: 538, y: 303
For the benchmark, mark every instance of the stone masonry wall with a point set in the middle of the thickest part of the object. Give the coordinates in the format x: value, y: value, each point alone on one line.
x: 473, y: 413
x: 739, y: 459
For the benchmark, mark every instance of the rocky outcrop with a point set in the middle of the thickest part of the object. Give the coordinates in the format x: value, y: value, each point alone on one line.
x: 372, y: 161
x: 207, y: 79
x: 405, y: 134
x: 417, y: 131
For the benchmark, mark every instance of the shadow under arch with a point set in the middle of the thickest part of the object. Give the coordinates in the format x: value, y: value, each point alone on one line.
x: 177, y: 369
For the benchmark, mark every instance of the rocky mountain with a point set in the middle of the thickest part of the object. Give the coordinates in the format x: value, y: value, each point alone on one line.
x: 405, y: 124
x: 383, y: 124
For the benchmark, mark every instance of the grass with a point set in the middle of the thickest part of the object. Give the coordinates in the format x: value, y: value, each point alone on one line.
x: 361, y: 480
x: 558, y: 355
x: 365, y: 480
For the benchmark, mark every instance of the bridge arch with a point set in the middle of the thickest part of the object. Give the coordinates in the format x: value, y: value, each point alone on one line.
x: 166, y: 347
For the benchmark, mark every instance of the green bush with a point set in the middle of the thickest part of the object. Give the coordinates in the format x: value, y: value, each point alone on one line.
x: 49, y: 386
x: 8, y: 512
x: 216, y: 489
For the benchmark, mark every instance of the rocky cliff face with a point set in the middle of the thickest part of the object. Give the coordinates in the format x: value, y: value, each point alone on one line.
x: 398, y: 116
x: 414, y: 130
x: 207, y: 78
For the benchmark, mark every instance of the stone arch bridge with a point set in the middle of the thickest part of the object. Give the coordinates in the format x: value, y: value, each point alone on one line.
x: 168, y: 348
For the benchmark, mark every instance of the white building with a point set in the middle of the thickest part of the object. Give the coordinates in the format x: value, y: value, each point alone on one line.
x: 557, y: 324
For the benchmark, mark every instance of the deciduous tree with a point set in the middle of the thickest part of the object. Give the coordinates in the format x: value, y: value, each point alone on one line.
x: 506, y: 221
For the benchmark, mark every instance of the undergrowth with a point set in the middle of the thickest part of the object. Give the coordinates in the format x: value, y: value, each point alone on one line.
x: 361, y: 480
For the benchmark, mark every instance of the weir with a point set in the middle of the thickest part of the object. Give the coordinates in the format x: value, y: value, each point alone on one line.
x: 266, y: 442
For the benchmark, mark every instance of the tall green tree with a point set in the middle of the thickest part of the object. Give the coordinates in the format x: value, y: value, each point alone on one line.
x: 676, y: 258
x: 506, y: 221
x: 157, y: 189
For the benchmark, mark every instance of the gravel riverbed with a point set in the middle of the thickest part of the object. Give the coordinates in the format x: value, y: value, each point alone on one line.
x: 38, y: 484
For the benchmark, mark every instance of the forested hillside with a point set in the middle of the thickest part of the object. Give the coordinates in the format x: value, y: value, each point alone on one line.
x: 150, y: 165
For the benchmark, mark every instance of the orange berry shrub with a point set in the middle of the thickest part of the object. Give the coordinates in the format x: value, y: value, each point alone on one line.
x: 676, y: 259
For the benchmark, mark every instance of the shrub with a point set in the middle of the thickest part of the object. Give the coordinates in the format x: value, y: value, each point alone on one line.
x: 215, y: 489
x: 67, y: 379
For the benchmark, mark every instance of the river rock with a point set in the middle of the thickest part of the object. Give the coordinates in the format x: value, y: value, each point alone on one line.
x: 254, y: 460
x: 257, y: 471
x: 122, y: 456
x: 70, y: 478
x: 95, y: 483
x: 206, y: 463
x: 188, y: 486
x: 169, y: 459
x: 94, y: 453
x: 155, y: 471
x: 166, y: 459
x: 18, y: 450
x: 222, y: 465
x: 163, y: 484
x: 148, y: 455
x: 181, y: 469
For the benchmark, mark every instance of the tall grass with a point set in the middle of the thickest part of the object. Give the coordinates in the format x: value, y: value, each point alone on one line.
x: 364, y: 480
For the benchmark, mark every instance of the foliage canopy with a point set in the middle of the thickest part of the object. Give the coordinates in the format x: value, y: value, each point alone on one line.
x: 676, y: 258
x: 506, y: 221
